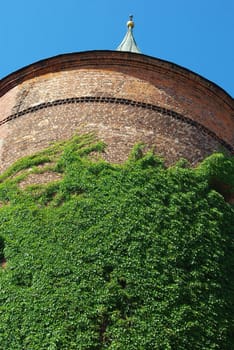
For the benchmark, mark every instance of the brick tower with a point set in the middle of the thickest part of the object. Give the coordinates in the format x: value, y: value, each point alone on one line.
x: 123, y: 96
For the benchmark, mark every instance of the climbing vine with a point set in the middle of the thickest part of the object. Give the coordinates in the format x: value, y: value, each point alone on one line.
x: 106, y: 256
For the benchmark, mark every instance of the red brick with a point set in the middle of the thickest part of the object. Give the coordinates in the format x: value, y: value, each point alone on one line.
x: 117, y: 75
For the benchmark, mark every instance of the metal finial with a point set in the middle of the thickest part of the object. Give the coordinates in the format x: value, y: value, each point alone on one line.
x: 130, y: 23
x: 129, y: 43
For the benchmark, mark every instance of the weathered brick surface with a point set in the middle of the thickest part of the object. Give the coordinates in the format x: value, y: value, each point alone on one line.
x: 120, y: 126
x: 40, y: 178
x: 113, y: 75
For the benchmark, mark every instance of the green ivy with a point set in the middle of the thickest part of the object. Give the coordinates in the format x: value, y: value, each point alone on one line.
x: 132, y: 256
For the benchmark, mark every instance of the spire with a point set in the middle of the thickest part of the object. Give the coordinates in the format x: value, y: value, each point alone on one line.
x: 129, y: 43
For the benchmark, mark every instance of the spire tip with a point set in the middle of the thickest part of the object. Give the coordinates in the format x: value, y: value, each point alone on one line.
x: 129, y: 43
x: 130, y: 23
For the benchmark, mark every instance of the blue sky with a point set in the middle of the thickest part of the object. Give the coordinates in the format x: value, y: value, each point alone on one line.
x: 198, y: 35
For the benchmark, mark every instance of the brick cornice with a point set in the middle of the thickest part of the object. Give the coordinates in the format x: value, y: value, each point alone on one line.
x: 122, y: 101
x: 111, y: 60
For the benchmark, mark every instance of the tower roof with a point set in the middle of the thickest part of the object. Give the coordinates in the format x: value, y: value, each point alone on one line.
x: 129, y: 43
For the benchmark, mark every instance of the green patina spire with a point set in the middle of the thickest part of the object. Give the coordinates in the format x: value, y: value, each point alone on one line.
x: 129, y: 43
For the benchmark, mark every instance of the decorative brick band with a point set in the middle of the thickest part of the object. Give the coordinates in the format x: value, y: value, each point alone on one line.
x: 122, y: 101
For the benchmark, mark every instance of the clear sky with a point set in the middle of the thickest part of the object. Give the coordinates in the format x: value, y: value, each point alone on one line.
x: 196, y: 34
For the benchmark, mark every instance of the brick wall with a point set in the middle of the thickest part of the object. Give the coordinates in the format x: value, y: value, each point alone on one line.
x: 124, y: 97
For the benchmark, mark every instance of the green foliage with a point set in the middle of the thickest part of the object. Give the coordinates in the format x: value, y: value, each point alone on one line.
x: 2, y: 246
x: 132, y: 256
x: 219, y: 170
